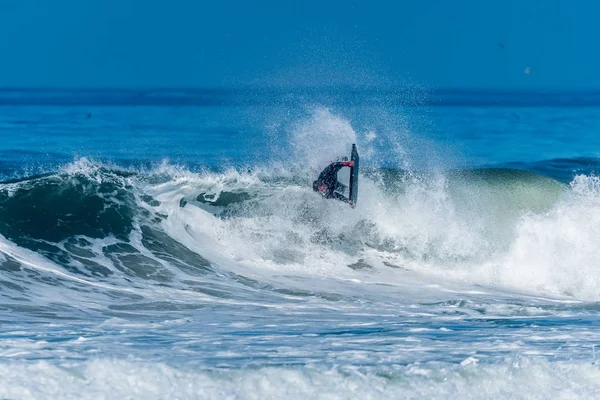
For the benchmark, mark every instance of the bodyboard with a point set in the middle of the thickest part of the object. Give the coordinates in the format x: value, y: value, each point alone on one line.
x: 354, y: 175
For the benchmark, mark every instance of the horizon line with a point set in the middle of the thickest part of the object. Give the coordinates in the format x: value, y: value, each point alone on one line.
x: 283, y: 89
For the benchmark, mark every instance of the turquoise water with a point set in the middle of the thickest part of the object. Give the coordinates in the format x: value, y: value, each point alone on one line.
x: 468, y: 269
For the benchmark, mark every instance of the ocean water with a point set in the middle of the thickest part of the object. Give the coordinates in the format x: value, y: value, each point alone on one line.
x: 167, y: 244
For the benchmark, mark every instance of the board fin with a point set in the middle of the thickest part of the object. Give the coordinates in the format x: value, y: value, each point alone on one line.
x: 354, y: 175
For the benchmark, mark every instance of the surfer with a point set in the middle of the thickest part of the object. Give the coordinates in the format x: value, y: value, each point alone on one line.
x: 327, y: 183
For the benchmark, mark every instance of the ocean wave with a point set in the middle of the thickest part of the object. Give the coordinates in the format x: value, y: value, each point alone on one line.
x: 170, y: 226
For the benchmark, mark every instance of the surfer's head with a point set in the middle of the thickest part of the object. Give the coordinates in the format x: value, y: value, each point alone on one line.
x: 320, y: 186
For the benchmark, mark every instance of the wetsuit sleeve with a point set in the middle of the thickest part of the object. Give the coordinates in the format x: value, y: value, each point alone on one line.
x: 329, y: 174
x: 341, y: 197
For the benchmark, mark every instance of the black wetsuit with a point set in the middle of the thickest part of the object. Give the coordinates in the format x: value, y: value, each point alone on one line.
x: 329, y: 177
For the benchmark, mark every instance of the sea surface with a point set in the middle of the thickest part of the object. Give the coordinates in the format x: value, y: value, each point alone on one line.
x: 167, y: 244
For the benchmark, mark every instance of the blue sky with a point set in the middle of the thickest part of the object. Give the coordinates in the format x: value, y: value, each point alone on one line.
x: 186, y: 43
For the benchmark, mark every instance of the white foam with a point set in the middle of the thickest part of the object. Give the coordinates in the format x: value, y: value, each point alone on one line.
x: 119, y: 379
x: 557, y: 252
x: 423, y: 228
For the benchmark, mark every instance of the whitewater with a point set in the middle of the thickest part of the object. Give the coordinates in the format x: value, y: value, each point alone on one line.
x: 178, y: 251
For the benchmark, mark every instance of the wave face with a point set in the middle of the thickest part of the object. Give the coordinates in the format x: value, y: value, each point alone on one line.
x: 163, y: 280
x: 102, y: 224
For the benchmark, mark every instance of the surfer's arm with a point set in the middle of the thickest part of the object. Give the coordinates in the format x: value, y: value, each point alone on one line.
x: 343, y: 198
x: 336, y: 166
x: 332, y: 169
